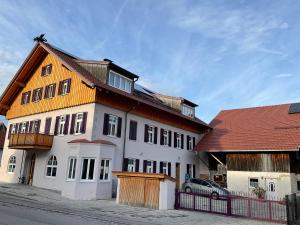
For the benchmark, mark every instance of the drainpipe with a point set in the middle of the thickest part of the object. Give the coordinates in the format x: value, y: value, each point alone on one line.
x: 20, y: 177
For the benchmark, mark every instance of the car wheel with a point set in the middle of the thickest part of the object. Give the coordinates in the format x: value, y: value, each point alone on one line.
x: 215, y: 195
x: 188, y: 190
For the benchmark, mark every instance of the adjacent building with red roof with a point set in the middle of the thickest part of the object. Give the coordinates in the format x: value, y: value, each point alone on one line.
x: 257, y: 146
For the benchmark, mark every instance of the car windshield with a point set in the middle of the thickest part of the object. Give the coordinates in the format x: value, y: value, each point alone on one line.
x: 214, y: 184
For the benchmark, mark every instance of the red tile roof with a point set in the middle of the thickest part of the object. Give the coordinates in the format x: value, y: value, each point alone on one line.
x: 104, y: 142
x: 264, y: 128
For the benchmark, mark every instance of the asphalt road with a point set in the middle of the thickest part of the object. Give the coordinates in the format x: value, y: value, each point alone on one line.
x: 16, y: 210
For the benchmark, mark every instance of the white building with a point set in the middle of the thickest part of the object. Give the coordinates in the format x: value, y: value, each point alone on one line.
x: 72, y: 122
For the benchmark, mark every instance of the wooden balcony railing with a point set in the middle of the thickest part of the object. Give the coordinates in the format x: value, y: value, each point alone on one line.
x: 31, y: 141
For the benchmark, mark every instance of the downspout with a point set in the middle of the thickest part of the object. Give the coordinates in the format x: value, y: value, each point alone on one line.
x: 21, y: 177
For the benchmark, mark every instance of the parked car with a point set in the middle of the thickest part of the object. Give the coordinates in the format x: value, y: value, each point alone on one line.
x: 205, y: 187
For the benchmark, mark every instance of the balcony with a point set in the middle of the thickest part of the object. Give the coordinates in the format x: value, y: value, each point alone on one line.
x: 31, y: 141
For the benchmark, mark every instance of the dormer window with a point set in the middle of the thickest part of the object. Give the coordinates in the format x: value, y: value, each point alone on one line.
x: 188, y: 110
x: 118, y: 81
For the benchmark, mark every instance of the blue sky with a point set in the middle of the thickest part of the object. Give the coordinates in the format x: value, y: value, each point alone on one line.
x: 219, y: 54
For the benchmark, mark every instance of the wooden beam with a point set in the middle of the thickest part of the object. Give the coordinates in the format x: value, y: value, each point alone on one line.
x: 20, y: 84
x: 3, y: 106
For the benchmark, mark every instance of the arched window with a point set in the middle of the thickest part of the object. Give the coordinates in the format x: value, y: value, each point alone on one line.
x: 11, y: 164
x: 51, y: 167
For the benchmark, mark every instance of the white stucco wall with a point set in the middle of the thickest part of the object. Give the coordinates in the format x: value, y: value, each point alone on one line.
x: 239, y: 181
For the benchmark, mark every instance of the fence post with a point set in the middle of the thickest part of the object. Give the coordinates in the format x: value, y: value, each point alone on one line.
x: 176, y: 198
x: 288, y: 220
x: 229, y: 205
x: 249, y: 207
x: 194, y: 203
x: 270, y: 210
x: 296, y: 206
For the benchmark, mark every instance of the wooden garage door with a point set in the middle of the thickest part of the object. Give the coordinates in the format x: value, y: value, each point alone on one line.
x: 152, y: 193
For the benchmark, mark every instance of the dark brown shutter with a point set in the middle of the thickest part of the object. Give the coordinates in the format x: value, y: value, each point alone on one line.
x: 84, y: 120
x: 194, y: 171
x: 187, y: 142
x: 38, y: 126
x: 50, y: 68
x: 56, y: 125
x: 169, y: 169
x: 187, y: 168
x: 48, y: 125
x: 162, y: 136
x: 30, y: 126
x: 43, y: 72
x: 105, y: 124
x: 194, y: 142
x: 132, y: 130
x: 60, y: 86
x: 66, y: 128
x: 170, y: 138
x: 29, y: 95
x: 161, y: 167
x: 54, y: 89
x: 72, y: 123
x: 23, y: 99
x: 27, y: 126
x: 9, y: 131
x: 137, y: 165
x: 40, y: 93
x: 146, y: 134
x: 69, y: 85
x: 33, y: 95
x: 154, y: 166
x: 119, y: 130
x: 175, y: 139
x: 46, y: 95
x: 182, y: 141
x: 20, y: 127
x: 155, y: 135
x: 144, y: 166
x: 125, y: 164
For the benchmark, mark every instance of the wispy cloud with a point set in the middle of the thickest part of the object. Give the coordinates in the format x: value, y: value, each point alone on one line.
x: 283, y: 75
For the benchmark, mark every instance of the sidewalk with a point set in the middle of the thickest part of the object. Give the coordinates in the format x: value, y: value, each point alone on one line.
x: 109, y: 208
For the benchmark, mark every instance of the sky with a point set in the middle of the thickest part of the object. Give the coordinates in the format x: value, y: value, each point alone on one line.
x: 218, y: 54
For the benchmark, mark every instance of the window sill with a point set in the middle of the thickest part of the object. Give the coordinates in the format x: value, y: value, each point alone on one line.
x: 70, y: 180
x: 151, y: 143
x: 50, y: 177
x: 112, y: 136
x: 87, y: 181
x: 10, y: 173
x: 104, y: 181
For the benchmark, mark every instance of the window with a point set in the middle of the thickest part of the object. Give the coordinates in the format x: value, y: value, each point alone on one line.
x: 189, y: 143
x: 50, y: 91
x: 104, y: 169
x: 188, y: 111
x: 37, y: 94
x: 120, y: 82
x: 149, y: 166
x: 11, y: 164
x: 178, y: 140
x: 14, y: 129
x: 78, y: 123
x: 150, y: 134
x: 165, y: 138
x: 51, y: 167
x: 131, y: 165
x: 164, y: 167
x: 24, y: 127
x: 132, y: 130
x: 112, y: 125
x: 25, y: 98
x: 46, y: 70
x: 61, y: 125
x: 34, y: 126
x: 191, y: 170
x: 64, y: 87
x: 87, y: 171
x: 72, y: 168
x: 253, y: 182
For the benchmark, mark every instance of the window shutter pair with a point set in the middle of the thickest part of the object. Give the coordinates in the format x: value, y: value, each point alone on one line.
x: 48, y: 125
x: 170, y: 138
x: 66, y: 128
x: 162, y: 136
x: 145, y: 166
x: 175, y: 139
x: 83, y: 125
x: 132, y: 130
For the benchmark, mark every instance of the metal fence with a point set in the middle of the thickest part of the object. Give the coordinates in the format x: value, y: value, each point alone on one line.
x: 233, y: 204
x: 293, y: 209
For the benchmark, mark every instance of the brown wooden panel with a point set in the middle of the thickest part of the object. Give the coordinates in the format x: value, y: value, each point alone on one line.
x: 152, y: 193
x: 79, y: 94
x: 132, y: 191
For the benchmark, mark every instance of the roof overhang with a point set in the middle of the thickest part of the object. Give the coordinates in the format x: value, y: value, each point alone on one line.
x: 247, y: 150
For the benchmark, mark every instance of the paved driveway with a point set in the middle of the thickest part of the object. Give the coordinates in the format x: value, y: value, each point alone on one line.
x: 25, y: 205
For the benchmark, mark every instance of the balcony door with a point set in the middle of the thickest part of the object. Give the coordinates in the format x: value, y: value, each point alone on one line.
x: 31, y: 169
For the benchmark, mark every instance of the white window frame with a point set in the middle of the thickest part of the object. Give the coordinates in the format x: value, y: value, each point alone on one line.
x: 11, y: 166
x: 105, y: 169
x: 13, y: 129
x: 165, y: 168
x: 65, y: 87
x: 188, y: 110
x: 150, y: 134
x: 166, y: 138
x: 112, y: 125
x: 52, y: 166
x: 72, y: 163
x: 120, y: 82
x: 190, y: 143
x: 50, y: 91
x: 87, y: 169
x: 178, y: 140
x: 78, y: 123
x: 149, y: 166
x: 23, y: 128
x: 131, y: 165
x: 249, y: 183
x: 61, y: 125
